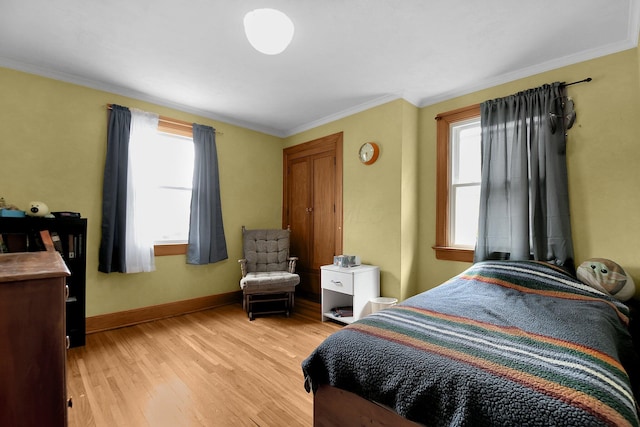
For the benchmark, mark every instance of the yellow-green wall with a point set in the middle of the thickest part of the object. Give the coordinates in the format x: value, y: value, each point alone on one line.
x: 603, y: 155
x: 389, y: 207
x: 374, y: 195
x: 52, y: 149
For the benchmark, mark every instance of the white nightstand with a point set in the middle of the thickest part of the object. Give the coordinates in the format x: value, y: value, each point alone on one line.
x: 348, y: 286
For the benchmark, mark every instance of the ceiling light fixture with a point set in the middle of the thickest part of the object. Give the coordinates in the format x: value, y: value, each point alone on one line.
x: 268, y: 30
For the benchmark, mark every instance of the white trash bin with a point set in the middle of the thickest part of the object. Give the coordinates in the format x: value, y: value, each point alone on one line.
x: 380, y: 303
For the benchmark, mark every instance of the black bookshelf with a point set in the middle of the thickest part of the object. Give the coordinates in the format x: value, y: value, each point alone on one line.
x: 70, y: 239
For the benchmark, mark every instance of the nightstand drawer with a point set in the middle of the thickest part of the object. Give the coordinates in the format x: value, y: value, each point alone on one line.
x: 337, y: 281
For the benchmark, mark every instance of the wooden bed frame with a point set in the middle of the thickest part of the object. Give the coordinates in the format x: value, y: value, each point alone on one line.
x: 336, y: 407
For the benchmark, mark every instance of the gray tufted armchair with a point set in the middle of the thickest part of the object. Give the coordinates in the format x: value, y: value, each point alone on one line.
x: 268, y: 272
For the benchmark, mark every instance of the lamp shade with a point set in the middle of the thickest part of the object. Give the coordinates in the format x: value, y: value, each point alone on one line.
x: 268, y: 30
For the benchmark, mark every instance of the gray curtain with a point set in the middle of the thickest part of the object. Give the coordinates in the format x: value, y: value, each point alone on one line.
x: 207, y: 243
x: 524, y: 201
x: 111, y: 256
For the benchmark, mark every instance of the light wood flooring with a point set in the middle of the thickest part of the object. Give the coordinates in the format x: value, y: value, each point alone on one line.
x: 210, y: 368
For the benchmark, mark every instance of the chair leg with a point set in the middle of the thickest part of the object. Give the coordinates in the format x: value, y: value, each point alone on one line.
x: 290, y: 302
x: 286, y: 298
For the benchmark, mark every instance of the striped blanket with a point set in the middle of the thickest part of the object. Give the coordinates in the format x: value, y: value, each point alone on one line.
x: 505, y: 343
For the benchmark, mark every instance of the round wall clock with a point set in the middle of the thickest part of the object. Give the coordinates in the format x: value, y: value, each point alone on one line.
x: 369, y: 152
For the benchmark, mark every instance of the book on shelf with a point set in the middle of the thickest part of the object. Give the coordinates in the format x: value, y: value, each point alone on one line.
x: 72, y: 246
x: 46, y: 243
x: 57, y: 243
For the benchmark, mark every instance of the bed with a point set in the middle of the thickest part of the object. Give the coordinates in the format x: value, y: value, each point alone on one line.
x: 505, y: 343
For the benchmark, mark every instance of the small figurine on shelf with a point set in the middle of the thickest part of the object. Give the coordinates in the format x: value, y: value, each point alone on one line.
x: 39, y: 209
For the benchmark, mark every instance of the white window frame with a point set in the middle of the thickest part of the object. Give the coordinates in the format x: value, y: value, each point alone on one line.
x: 455, y: 130
x: 174, y: 185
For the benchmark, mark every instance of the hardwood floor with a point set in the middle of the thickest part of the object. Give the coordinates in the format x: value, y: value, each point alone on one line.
x: 210, y: 368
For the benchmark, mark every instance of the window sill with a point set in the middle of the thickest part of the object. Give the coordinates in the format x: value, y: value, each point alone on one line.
x: 170, y: 249
x: 449, y: 253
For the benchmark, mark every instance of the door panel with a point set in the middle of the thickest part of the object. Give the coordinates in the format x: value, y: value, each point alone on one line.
x: 312, y: 206
x: 323, y: 210
x: 299, y: 217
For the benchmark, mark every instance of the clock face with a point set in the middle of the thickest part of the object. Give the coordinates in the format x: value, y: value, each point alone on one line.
x: 368, y: 153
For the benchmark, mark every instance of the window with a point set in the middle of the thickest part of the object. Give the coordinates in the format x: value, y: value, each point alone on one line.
x: 172, y: 170
x: 458, y: 183
x: 464, y: 199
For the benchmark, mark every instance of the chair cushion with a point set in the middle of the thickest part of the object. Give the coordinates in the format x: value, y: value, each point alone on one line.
x: 266, y: 250
x: 270, y: 281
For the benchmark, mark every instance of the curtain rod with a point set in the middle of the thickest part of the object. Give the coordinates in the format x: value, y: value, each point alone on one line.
x: 183, y: 127
x: 588, y: 79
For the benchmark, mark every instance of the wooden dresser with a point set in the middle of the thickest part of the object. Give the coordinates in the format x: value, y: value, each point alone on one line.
x: 33, y: 340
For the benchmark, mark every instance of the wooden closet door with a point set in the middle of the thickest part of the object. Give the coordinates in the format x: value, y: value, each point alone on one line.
x: 322, y: 211
x: 299, y: 218
x: 312, y: 206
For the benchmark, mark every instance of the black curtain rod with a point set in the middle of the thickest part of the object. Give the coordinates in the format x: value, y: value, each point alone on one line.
x: 588, y: 79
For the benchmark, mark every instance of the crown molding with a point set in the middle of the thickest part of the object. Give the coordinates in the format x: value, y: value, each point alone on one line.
x: 344, y: 113
x: 531, y: 71
x: 131, y: 93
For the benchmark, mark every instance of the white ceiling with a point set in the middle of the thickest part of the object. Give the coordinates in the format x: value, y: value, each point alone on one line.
x: 346, y: 55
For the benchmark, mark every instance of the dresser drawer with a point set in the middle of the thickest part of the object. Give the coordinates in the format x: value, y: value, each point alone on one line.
x: 337, y: 281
